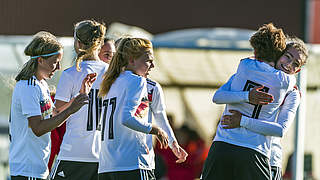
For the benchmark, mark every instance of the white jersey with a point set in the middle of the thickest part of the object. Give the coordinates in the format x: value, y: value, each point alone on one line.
x: 275, y: 128
x: 125, y: 140
x: 81, y: 141
x: 253, y: 73
x: 29, y: 154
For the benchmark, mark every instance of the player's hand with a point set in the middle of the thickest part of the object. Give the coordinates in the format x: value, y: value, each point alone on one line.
x: 231, y: 121
x: 162, y: 136
x: 87, y: 83
x: 256, y: 96
x: 179, y: 152
x: 78, y: 102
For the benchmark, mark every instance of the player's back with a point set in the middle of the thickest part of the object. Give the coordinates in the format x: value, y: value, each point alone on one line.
x: 122, y: 148
x: 252, y: 73
x: 81, y: 141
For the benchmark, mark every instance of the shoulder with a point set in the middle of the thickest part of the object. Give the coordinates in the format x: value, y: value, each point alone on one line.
x: 134, y: 79
x: 293, y: 95
x: 28, y: 85
x: 287, y: 80
x: 247, y: 63
x: 69, y: 73
x: 98, y: 64
x: 151, y: 82
x: 295, y: 91
x: 101, y: 63
x: 45, y: 83
x: 103, y: 66
x: 153, y: 86
x: 70, y: 70
x: 32, y: 82
x: 247, y: 60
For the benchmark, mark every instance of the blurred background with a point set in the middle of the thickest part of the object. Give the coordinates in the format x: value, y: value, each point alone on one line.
x: 197, y: 47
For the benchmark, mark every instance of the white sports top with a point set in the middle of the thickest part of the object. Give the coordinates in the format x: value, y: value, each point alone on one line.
x: 126, y: 144
x: 29, y: 154
x: 253, y: 73
x: 81, y: 141
x: 276, y: 128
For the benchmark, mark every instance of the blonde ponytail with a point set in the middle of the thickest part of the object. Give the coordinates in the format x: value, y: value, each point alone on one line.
x: 128, y: 48
x: 90, y: 34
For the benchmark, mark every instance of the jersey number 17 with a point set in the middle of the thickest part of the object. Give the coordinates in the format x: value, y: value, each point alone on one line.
x: 112, y: 102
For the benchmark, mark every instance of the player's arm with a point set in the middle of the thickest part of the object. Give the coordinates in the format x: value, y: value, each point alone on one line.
x: 64, y: 91
x: 132, y: 102
x: 224, y: 95
x: 279, y: 128
x: 158, y: 110
x: 40, y: 127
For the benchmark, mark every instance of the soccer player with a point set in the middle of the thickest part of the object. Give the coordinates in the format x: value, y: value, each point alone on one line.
x: 126, y: 148
x: 32, y: 109
x: 105, y: 54
x: 240, y: 153
x: 79, y: 152
x: 158, y: 110
x: 294, y: 58
x: 107, y: 50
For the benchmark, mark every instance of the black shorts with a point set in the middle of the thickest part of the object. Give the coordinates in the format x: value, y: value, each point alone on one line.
x: 24, y: 178
x: 228, y: 162
x: 70, y: 170
x: 138, y: 174
x: 276, y: 173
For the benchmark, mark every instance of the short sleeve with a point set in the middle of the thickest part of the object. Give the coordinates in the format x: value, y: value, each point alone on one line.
x: 30, y: 101
x: 64, y: 89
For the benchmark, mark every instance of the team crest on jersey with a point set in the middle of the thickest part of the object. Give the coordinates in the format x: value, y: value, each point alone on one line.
x: 143, y: 108
x: 46, y: 107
